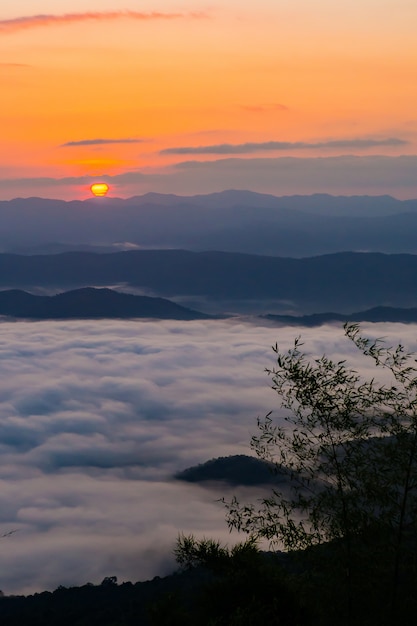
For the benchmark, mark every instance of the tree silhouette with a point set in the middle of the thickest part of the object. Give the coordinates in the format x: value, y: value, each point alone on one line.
x: 350, y: 448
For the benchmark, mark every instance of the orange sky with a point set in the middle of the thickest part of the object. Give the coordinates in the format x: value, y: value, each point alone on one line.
x: 151, y: 77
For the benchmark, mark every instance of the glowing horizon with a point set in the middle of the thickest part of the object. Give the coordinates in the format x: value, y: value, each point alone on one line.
x: 92, y: 91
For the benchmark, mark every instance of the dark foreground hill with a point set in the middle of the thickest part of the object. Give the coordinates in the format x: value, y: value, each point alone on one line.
x: 222, y: 588
x: 245, y: 592
x: 91, y: 303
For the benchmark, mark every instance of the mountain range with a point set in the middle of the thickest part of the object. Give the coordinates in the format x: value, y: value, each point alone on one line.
x: 343, y: 282
x: 376, y: 314
x: 234, y: 252
x: 91, y: 303
x: 233, y: 221
x: 105, y: 303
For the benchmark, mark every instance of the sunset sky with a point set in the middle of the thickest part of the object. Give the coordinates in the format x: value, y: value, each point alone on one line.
x: 189, y: 96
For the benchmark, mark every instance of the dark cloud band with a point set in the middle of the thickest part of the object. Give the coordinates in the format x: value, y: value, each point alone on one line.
x: 34, y: 21
x: 101, y: 141
x: 247, y: 148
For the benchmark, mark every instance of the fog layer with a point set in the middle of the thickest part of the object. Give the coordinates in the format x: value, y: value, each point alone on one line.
x: 97, y: 416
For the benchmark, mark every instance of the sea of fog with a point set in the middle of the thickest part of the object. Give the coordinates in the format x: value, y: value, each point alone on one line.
x: 97, y: 416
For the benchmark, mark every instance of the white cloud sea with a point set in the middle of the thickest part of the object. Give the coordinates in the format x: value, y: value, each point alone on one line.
x: 96, y: 416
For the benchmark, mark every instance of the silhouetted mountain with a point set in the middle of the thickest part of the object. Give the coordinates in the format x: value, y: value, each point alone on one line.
x: 234, y: 221
x: 91, y: 303
x: 377, y: 314
x: 60, y: 248
x: 237, y: 469
x: 344, y: 282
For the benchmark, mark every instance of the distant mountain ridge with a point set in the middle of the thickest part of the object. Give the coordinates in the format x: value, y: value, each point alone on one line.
x: 343, y: 282
x: 234, y: 221
x: 376, y: 314
x: 91, y: 303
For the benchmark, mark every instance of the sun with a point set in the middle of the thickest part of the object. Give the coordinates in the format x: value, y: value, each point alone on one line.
x: 99, y: 189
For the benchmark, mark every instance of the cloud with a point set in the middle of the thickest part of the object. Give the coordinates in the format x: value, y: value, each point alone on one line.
x: 42, y: 181
x: 260, y: 108
x: 246, y: 148
x: 95, y: 417
x: 92, y: 427
x: 100, y: 142
x: 339, y: 175
x: 35, y: 21
x: 49, y: 181
x: 16, y: 65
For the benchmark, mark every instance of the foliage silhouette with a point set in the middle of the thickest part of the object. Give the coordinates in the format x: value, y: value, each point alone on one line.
x: 350, y: 446
x: 242, y: 587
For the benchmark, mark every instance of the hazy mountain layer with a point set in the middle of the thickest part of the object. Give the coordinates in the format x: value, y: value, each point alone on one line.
x: 235, y: 221
x: 377, y: 314
x: 343, y: 283
x: 91, y: 303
